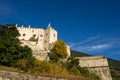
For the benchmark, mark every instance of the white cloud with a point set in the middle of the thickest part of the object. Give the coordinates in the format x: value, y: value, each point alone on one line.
x: 101, y: 46
x: 88, y: 40
x: 93, y: 47
x: 96, y: 44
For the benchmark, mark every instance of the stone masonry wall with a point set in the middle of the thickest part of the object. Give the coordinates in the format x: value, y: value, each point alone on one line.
x: 102, y: 72
x: 8, y: 75
x: 93, y: 62
x: 98, y: 65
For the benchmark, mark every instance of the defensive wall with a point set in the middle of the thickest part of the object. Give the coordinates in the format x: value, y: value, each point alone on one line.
x: 96, y: 64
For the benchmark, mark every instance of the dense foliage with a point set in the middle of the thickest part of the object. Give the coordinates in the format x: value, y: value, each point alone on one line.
x: 59, y: 51
x: 10, y: 49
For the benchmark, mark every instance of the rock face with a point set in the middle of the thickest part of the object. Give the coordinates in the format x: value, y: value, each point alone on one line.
x: 7, y: 75
x: 97, y: 65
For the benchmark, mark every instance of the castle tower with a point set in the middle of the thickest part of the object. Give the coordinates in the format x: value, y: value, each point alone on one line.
x: 50, y: 36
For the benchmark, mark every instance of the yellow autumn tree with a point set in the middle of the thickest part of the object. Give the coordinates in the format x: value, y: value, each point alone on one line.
x: 59, y: 51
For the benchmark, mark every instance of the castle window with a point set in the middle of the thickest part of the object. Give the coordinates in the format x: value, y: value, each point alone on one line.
x: 54, y: 35
x: 46, y: 34
x: 45, y: 41
x: 34, y: 35
x: 23, y: 34
x: 41, y: 35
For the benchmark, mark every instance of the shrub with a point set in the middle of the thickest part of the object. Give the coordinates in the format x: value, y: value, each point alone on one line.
x: 59, y: 51
x: 33, y: 39
x: 22, y: 64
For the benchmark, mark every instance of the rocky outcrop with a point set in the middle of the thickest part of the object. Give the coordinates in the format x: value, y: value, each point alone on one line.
x: 8, y: 75
x: 98, y: 65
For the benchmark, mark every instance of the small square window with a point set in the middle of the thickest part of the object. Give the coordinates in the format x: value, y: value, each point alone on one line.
x: 54, y: 35
x: 45, y: 41
x: 34, y: 35
x: 23, y: 34
x: 46, y: 34
x: 41, y: 35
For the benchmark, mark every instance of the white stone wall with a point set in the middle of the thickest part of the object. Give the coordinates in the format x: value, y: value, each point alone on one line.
x: 50, y: 37
x: 27, y: 33
x: 68, y: 50
x: 45, y: 37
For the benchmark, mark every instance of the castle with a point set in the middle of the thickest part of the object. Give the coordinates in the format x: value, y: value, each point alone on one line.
x: 40, y: 40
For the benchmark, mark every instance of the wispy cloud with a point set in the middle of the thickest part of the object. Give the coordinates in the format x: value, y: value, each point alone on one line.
x: 99, y: 46
x: 84, y: 41
x: 96, y: 44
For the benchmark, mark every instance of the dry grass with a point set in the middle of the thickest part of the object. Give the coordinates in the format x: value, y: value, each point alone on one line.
x: 64, y: 76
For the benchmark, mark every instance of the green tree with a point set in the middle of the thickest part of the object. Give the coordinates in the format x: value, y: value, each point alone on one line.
x: 10, y: 48
x: 59, y: 51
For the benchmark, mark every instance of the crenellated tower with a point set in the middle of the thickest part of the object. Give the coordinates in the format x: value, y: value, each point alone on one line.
x: 50, y: 35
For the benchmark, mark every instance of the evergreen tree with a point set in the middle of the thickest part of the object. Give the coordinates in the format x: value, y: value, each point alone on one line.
x: 10, y: 49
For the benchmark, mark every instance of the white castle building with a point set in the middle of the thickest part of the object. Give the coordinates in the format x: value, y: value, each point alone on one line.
x: 39, y: 40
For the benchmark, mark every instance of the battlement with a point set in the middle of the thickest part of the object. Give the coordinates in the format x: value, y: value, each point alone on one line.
x: 29, y: 28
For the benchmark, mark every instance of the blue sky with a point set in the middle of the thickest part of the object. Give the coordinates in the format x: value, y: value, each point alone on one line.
x: 91, y: 26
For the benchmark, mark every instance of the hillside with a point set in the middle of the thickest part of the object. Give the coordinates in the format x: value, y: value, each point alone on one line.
x: 114, y: 64
x: 79, y: 54
x: 20, y: 58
